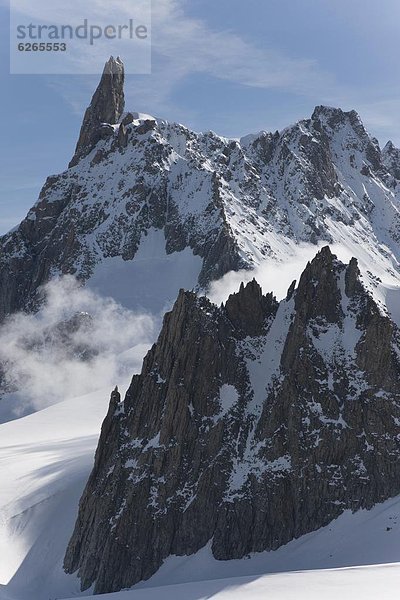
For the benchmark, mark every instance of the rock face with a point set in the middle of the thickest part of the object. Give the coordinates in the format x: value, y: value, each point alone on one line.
x: 232, y: 203
x: 106, y: 108
x: 391, y: 160
x: 250, y: 424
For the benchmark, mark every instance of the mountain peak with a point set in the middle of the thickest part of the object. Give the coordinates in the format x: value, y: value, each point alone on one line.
x: 389, y: 147
x: 391, y: 159
x: 332, y: 119
x: 246, y: 441
x: 113, y: 66
x: 318, y: 292
x: 248, y: 309
x: 335, y: 116
x: 107, y: 106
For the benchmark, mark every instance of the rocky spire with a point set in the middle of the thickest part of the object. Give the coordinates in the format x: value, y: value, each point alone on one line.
x: 249, y: 309
x: 107, y: 106
x: 327, y: 120
x: 318, y: 294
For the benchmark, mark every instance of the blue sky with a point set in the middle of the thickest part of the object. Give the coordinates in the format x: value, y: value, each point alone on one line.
x: 232, y: 66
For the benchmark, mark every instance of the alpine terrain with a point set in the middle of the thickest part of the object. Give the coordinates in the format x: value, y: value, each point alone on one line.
x: 139, y: 188
x: 250, y: 425
x: 262, y: 434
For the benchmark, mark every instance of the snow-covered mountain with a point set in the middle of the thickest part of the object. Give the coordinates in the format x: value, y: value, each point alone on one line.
x: 253, y: 423
x: 146, y: 200
x: 250, y: 425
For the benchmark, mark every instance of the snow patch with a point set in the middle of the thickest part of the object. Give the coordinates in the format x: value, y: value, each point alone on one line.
x: 228, y: 397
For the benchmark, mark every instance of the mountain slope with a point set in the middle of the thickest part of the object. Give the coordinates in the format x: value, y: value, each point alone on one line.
x: 250, y: 425
x: 45, y: 459
x: 229, y: 204
x: 44, y: 479
x: 348, y: 584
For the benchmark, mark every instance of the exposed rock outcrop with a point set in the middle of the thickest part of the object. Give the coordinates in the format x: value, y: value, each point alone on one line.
x: 106, y: 108
x: 247, y: 310
x: 391, y: 159
x: 250, y: 425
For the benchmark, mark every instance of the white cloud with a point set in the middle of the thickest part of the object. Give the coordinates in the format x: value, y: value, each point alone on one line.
x: 191, y: 46
x: 273, y: 276
x: 80, y: 56
x: 47, y: 367
x: 184, y: 46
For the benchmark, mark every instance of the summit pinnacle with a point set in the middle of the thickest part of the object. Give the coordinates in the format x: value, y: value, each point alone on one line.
x: 107, y: 106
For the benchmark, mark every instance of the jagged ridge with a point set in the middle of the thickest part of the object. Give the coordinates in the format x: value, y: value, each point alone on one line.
x: 250, y: 425
x: 234, y: 203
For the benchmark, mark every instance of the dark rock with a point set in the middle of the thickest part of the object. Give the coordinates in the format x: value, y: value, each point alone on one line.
x: 391, y: 159
x: 352, y: 278
x: 128, y: 119
x: 105, y: 131
x: 122, y: 136
x: 248, y: 310
x: 146, y: 126
x: 250, y: 425
x: 317, y: 293
x: 106, y: 107
x: 290, y: 291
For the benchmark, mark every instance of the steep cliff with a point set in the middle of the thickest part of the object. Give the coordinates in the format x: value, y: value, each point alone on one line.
x: 250, y: 424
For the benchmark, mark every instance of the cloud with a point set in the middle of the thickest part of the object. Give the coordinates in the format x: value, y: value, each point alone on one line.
x: 191, y: 46
x: 78, y: 342
x: 183, y: 46
x: 273, y: 276
x: 84, y: 54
